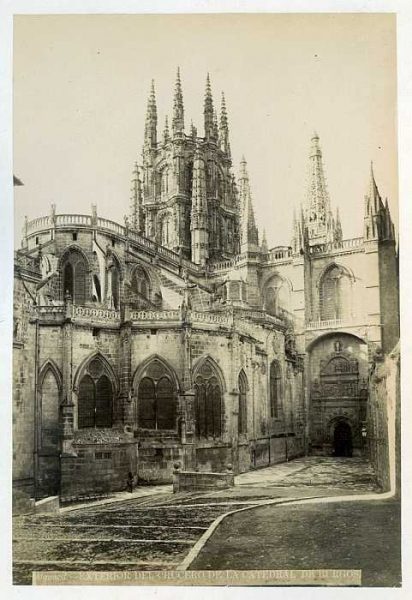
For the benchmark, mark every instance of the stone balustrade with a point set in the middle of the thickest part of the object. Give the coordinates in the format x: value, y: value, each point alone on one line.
x: 204, y: 317
x: 71, y: 220
x: 42, y: 224
x: 279, y: 253
x: 86, y: 313
x: 155, y: 315
x: 332, y: 324
x: 350, y: 244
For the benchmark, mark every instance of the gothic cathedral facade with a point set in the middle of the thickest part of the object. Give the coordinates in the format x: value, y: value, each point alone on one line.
x: 180, y: 337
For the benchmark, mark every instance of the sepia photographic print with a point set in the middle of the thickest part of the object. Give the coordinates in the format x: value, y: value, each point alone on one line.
x: 206, y: 359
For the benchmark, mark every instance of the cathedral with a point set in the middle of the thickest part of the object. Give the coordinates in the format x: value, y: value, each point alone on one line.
x: 177, y: 336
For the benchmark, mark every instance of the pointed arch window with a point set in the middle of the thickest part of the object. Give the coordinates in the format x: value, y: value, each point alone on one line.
x: 95, y: 398
x: 277, y: 296
x: 242, y: 419
x: 335, y: 294
x: 208, y: 402
x: 141, y: 286
x: 156, y: 398
x: 275, y: 381
x: 75, y: 277
x: 49, y: 410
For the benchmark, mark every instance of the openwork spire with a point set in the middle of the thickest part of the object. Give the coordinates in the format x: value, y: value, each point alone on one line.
x: 318, y: 215
x: 178, y: 124
x: 150, y: 135
x: 208, y: 111
x: 248, y: 230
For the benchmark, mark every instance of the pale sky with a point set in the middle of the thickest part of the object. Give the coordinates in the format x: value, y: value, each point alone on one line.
x: 80, y: 93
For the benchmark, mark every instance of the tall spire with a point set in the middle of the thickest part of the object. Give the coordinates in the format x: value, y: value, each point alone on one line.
x: 248, y: 230
x: 224, y: 128
x: 178, y: 124
x: 136, y: 210
x: 318, y: 215
x: 208, y: 111
x: 150, y: 135
x: 199, y: 214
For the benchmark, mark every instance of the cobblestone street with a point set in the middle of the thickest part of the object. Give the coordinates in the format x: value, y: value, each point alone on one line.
x: 156, y: 532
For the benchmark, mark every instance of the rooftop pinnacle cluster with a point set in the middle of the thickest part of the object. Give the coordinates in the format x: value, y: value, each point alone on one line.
x: 185, y: 195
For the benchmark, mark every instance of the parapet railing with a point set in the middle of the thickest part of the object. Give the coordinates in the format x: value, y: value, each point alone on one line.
x: 107, y: 315
x: 332, y: 324
x: 155, y: 315
x: 76, y: 220
x: 279, y: 253
x: 92, y: 314
x: 349, y: 244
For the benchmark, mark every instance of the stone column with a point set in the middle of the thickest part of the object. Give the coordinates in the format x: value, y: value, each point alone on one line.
x: 187, y: 399
x: 124, y: 414
x: 68, y: 391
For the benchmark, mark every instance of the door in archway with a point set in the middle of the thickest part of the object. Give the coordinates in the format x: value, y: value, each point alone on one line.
x: 342, y: 439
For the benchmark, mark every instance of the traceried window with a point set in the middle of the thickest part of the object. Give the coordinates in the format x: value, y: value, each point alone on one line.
x: 74, y: 277
x: 242, y: 419
x: 208, y: 402
x: 49, y: 410
x: 141, y: 286
x: 277, y: 296
x: 166, y: 230
x: 115, y: 287
x: 156, y: 398
x: 275, y: 382
x: 335, y: 294
x: 95, y: 399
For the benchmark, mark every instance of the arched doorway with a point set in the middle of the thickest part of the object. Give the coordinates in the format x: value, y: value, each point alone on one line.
x: 342, y: 439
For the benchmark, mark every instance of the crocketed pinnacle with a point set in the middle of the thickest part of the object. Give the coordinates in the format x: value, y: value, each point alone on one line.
x: 166, y: 134
x: 264, y: 245
x: 224, y: 127
x: 208, y: 111
x: 151, y: 119
x: 136, y: 201
x: 248, y: 230
x: 178, y: 124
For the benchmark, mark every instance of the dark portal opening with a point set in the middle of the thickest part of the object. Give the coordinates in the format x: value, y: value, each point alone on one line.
x: 342, y: 440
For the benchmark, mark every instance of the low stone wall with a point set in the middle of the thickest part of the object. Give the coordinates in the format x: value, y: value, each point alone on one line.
x: 156, y: 460
x: 97, y: 469
x: 184, y: 481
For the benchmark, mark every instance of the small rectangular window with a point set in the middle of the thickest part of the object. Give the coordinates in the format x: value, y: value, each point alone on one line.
x: 37, y: 240
x: 102, y: 455
x: 74, y: 236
